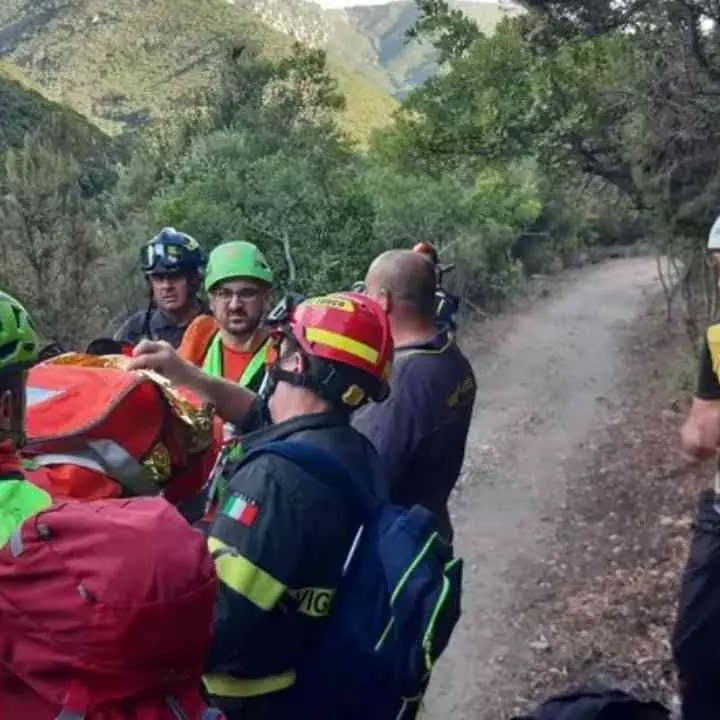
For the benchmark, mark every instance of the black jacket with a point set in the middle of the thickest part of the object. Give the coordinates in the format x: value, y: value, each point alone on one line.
x: 161, y: 327
x: 421, y: 429
x: 279, y: 541
x: 695, y: 640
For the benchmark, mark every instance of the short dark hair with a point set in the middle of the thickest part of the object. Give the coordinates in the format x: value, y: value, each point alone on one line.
x: 421, y: 292
x: 409, y: 277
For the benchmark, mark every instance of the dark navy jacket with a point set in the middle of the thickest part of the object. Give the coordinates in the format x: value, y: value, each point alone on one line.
x: 421, y: 429
x: 162, y: 327
x: 279, y: 542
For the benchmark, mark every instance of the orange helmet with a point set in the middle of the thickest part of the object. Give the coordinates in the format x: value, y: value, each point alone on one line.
x: 346, y: 338
x: 426, y: 248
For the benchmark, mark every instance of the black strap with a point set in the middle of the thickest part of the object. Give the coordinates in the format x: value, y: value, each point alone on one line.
x: 146, y: 329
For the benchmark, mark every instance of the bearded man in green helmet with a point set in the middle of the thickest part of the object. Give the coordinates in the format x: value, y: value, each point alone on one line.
x: 233, y: 343
x: 19, y: 348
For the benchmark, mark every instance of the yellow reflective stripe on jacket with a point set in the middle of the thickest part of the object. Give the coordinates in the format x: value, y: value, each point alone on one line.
x: 244, y: 577
x: 19, y: 500
x: 713, y: 341
x: 231, y: 687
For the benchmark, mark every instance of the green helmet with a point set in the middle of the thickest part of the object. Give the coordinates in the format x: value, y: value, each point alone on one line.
x: 19, y: 342
x: 237, y: 259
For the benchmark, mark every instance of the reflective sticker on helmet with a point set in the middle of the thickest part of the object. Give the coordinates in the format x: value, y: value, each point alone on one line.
x: 334, y: 302
x: 353, y: 396
x: 340, y: 342
x: 35, y: 395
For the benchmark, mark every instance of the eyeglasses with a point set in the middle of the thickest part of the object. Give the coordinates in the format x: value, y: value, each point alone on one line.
x: 244, y: 295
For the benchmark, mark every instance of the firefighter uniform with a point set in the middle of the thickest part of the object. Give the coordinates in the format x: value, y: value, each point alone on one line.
x: 279, y: 542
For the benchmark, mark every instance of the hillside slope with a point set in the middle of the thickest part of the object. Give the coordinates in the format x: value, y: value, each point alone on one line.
x: 24, y: 110
x: 370, y: 39
x: 409, y: 64
x: 129, y: 61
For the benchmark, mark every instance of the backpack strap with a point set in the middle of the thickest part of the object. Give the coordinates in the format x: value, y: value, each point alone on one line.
x: 107, y: 458
x: 319, y: 463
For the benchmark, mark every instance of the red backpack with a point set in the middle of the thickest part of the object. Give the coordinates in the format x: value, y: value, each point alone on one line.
x: 96, y: 431
x: 105, y: 614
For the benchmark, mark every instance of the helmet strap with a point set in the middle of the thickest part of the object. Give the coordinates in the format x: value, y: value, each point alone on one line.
x: 194, y: 285
x: 320, y: 378
x: 146, y: 331
x: 303, y: 380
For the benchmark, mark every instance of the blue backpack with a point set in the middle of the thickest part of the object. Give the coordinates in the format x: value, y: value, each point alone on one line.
x: 392, y: 615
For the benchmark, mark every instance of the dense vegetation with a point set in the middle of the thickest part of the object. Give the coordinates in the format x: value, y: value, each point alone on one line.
x: 575, y: 125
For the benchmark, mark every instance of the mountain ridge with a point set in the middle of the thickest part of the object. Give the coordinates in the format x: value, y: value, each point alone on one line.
x: 371, y: 39
x: 132, y: 61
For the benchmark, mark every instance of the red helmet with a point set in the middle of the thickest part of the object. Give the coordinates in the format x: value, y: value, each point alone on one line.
x: 426, y: 248
x: 347, y: 338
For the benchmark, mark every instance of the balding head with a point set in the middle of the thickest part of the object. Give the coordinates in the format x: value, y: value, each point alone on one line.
x: 403, y: 282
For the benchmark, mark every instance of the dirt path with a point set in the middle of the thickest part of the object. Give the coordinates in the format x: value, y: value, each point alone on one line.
x: 545, y: 385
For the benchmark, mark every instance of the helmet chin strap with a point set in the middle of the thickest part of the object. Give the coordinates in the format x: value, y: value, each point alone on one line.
x: 277, y: 375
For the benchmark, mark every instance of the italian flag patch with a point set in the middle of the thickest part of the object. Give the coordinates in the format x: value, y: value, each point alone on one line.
x: 241, y: 509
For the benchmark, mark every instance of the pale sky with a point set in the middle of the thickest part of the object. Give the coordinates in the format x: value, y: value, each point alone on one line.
x: 350, y: 3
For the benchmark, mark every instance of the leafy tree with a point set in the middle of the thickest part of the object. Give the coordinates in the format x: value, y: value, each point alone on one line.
x: 50, y: 241
x: 302, y: 204
x: 449, y: 30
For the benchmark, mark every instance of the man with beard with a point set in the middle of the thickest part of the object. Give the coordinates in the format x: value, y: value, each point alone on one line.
x: 172, y: 263
x: 233, y: 344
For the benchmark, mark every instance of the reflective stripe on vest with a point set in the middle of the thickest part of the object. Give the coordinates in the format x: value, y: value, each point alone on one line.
x: 108, y: 458
x: 213, y: 363
x: 231, y: 687
x: 713, y: 341
x: 19, y: 500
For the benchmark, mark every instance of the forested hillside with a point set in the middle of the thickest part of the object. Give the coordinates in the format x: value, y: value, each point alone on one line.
x: 127, y: 62
x: 24, y: 110
x: 572, y: 126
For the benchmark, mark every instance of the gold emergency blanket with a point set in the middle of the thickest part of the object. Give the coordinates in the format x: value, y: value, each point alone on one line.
x: 193, y: 425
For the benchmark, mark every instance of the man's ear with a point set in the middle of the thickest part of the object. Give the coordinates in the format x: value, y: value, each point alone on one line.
x: 385, y: 300
x: 7, y: 410
x: 298, y: 363
x: 211, y: 302
x: 267, y: 300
